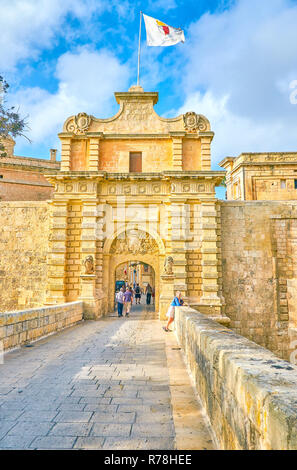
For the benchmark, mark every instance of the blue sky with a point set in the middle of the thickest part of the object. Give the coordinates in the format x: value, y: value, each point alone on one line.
x: 236, y: 66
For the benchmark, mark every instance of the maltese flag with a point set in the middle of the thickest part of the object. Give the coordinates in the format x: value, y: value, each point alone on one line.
x: 160, y: 34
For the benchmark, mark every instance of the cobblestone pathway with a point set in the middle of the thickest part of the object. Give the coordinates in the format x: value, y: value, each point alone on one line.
x: 99, y: 385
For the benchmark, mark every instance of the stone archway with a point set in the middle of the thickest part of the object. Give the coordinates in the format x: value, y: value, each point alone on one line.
x: 152, y: 276
x: 128, y: 245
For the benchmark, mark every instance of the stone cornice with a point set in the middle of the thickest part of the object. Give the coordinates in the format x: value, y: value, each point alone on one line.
x: 139, y: 95
x: 265, y: 165
x: 136, y: 136
x: 164, y: 175
x: 28, y: 167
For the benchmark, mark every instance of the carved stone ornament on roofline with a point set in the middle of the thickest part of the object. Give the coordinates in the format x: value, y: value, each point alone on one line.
x: 79, y: 124
x: 194, y: 122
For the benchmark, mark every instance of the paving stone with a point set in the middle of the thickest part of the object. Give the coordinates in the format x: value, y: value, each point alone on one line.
x: 161, y: 418
x: 73, y: 416
x: 101, y: 407
x: 120, y: 394
x: 89, y: 443
x: 131, y: 408
x: 38, y: 417
x: 126, y: 401
x: 153, y: 430
x: 27, y: 428
x: 113, y: 417
x: 53, y: 442
x: 16, y: 442
x: 72, y: 407
x: 95, y: 400
x: 100, y: 385
x: 10, y: 414
x: 5, y: 426
x: 112, y: 430
x: 112, y: 443
x: 71, y: 429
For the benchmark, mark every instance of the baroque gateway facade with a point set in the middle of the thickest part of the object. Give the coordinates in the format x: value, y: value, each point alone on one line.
x: 135, y: 187
x: 136, y: 190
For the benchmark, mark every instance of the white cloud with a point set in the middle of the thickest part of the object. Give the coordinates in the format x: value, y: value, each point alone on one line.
x: 165, y: 5
x: 87, y: 80
x: 244, y: 60
x: 234, y: 133
x: 28, y: 26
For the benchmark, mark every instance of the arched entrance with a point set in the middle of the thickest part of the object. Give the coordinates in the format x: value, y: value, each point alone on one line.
x: 133, y: 273
x: 132, y: 245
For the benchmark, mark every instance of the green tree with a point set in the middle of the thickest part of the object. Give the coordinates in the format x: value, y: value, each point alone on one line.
x: 11, y: 124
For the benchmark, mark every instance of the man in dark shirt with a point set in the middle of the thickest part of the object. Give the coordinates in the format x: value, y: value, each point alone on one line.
x: 137, y: 294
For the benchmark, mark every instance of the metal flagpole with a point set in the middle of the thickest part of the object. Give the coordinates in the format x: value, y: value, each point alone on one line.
x: 138, y: 68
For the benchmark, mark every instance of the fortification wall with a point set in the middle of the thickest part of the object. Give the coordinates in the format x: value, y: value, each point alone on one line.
x: 248, y: 393
x: 24, y: 234
x: 259, y: 271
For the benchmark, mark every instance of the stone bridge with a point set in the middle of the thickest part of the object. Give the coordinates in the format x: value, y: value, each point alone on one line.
x: 123, y: 383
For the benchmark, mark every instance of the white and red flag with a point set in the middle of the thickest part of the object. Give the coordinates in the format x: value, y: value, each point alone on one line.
x: 160, y: 34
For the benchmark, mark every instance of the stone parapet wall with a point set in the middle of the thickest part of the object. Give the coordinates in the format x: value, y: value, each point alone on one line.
x: 249, y: 394
x: 18, y: 328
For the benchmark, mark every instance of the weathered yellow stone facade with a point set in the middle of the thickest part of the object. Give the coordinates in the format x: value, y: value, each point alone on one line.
x: 261, y: 176
x: 106, y: 211
x: 233, y: 260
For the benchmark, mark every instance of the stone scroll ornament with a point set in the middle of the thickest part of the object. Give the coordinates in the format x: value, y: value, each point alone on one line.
x: 194, y: 122
x: 168, y: 264
x: 89, y: 265
x: 79, y: 124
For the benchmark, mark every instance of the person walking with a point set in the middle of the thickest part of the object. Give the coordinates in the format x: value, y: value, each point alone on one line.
x: 120, y: 301
x: 137, y: 292
x: 148, y: 292
x: 128, y: 297
x: 177, y: 302
x: 153, y: 295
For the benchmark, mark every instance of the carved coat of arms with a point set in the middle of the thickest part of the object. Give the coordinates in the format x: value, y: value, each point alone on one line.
x: 79, y: 124
x: 194, y: 122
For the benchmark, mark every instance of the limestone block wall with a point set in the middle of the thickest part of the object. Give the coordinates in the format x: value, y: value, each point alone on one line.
x: 24, y: 233
x: 17, y: 328
x: 258, y: 241
x: 248, y: 393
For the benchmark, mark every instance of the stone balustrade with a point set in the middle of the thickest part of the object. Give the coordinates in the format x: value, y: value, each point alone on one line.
x: 249, y: 394
x: 21, y: 327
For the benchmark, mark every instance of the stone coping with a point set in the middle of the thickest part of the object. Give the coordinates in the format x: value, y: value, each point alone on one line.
x: 42, y: 309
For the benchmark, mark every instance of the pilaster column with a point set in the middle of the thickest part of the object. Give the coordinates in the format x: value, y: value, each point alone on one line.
x: 99, y: 258
x: 177, y: 150
x: 94, y: 153
x: 65, y: 153
x: 88, y: 250
x: 206, y: 138
x: 209, y: 249
x: 180, y: 218
x: 57, y: 254
x: 211, y: 297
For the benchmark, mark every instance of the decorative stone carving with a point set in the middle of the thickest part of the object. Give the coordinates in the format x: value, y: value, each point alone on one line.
x: 168, y: 263
x: 79, y: 124
x: 89, y: 265
x: 135, y: 242
x: 194, y: 122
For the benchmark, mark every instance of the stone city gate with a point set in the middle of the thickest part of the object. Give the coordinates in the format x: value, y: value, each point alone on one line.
x: 132, y: 245
x: 135, y: 187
